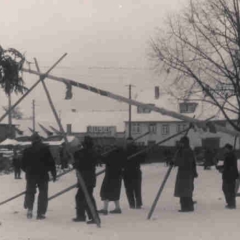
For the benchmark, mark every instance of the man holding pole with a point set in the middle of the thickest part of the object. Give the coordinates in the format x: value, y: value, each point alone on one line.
x: 132, y: 176
x: 37, y: 161
x: 230, y: 174
x: 85, y: 163
x: 186, y: 172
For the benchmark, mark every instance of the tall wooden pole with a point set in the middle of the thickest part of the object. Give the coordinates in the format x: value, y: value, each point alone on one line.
x: 10, y: 134
x: 130, y: 111
x: 34, y: 118
x: 79, y: 176
x: 164, y: 181
x: 163, y: 111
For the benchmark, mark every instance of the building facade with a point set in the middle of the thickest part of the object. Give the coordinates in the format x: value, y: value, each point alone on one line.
x: 159, y: 131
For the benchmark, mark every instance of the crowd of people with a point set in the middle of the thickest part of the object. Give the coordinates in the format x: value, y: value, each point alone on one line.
x: 122, y: 164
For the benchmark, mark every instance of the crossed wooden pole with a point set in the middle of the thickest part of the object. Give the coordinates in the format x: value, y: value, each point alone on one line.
x: 79, y: 176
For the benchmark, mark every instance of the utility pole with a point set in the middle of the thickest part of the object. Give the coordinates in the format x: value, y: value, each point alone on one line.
x: 59, y: 115
x: 34, y: 118
x: 10, y: 116
x: 130, y: 111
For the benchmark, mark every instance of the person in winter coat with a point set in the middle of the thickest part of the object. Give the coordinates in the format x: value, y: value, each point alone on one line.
x: 209, y: 159
x: 185, y: 175
x: 16, y: 165
x: 37, y: 161
x: 85, y: 161
x: 112, y: 182
x: 195, y: 173
x: 229, y: 176
x: 132, y: 176
x: 64, y: 156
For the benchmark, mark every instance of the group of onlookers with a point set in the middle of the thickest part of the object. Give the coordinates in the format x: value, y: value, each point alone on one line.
x: 186, y: 163
x: 121, y: 164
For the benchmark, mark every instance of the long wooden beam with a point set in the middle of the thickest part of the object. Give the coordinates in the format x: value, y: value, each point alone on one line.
x: 163, y: 111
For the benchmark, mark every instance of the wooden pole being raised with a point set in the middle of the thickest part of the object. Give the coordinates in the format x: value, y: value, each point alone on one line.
x: 79, y: 176
x: 163, y: 111
x: 164, y: 182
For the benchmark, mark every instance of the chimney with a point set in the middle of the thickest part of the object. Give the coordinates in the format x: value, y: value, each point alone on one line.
x: 157, y: 93
x: 69, y: 129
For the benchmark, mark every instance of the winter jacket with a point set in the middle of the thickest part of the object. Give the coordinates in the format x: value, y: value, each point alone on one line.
x: 85, y: 161
x: 230, y: 169
x: 37, y: 161
x: 186, y: 172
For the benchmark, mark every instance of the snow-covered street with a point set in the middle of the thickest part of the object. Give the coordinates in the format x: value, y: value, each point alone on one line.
x: 209, y: 221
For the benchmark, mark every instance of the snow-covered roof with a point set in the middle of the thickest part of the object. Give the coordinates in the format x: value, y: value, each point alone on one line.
x: 203, y: 110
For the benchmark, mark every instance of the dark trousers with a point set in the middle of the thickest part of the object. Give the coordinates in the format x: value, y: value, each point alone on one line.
x: 32, y: 185
x: 228, y: 188
x: 133, y: 187
x: 17, y: 172
x: 186, y: 203
x: 82, y: 205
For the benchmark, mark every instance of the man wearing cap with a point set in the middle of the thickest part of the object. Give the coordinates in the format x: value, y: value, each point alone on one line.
x: 132, y: 175
x: 85, y: 161
x: 185, y: 161
x: 230, y: 174
x: 37, y: 161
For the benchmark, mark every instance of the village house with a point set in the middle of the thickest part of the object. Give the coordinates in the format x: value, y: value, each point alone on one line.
x: 163, y: 126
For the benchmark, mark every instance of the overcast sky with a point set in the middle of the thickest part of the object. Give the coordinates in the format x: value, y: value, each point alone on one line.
x: 96, y: 34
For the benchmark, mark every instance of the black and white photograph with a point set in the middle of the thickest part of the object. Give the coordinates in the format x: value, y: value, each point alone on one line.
x: 119, y: 119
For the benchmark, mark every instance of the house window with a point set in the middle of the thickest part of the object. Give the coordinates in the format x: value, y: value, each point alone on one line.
x: 142, y: 109
x: 153, y: 128
x: 165, y: 129
x: 136, y: 128
x: 187, y: 107
x: 181, y: 127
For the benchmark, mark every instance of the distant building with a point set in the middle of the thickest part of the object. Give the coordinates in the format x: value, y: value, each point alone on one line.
x: 163, y: 126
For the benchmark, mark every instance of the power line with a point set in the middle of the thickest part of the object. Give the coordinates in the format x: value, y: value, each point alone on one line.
x: 102, y: 68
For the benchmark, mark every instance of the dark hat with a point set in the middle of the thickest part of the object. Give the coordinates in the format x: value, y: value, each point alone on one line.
x: 88, y: 140
x: 129, y: 139
x: 35, y: 137
x: 185, y: 140
x: 228, y: 146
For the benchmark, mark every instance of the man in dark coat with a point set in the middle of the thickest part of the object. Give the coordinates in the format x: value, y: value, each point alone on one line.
x: 112, y: 182
x: 37, y: 161
x: 229, y: 176
x: 132, y: 175
x: 209, y: 159
x: 64, y: 156
x: 186, y: 170
x: 85, y: 163
x: 16, y: 164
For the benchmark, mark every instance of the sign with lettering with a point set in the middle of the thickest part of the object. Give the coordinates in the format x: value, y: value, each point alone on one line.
x: 103, y: 131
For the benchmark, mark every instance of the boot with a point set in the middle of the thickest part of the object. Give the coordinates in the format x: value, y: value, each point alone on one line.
x: 41, y: 216
x: 92, y: 221
x: 116, y: 211
x: 103, y: 211
x: 29, y: 214
x: 80, y: 216
x: 79, y: 219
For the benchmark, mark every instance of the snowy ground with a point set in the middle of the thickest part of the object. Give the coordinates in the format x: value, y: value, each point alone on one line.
x: 209, y: 221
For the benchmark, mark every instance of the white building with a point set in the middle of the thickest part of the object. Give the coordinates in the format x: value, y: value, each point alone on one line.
x: 162, y: 127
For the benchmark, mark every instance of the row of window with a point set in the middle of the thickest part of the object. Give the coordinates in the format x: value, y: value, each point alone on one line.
x: 165, y: 128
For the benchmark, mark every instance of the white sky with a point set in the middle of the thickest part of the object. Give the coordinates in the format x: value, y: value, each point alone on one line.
x: 94, y: 33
